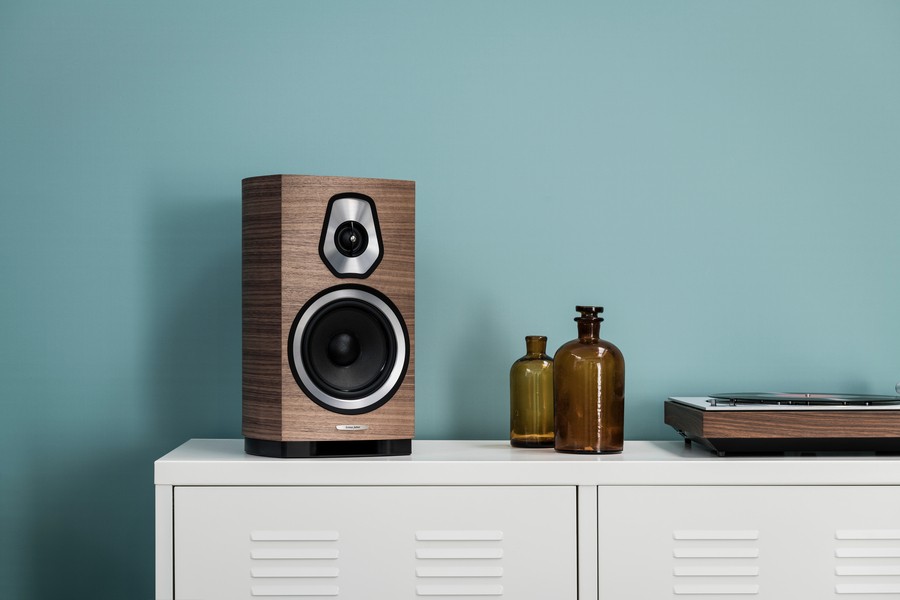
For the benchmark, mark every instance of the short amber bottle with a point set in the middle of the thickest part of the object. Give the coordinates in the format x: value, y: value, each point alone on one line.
x: 531, y: 396
x: 589, y: 385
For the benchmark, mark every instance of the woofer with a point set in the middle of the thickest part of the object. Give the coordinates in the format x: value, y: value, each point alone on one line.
x: 348, y: 349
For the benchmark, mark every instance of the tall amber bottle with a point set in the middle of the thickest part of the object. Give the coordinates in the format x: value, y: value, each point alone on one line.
x: 589, y: 385
x: 531, y: 396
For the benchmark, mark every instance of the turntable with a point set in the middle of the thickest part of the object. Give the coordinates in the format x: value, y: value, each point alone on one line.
x: 788, y: 422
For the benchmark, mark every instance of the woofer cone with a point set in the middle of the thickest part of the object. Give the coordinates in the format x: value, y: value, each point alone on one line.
x: 348, y: 349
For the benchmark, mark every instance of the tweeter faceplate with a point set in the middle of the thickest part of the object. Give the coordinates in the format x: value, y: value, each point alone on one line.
x: 350, y: 245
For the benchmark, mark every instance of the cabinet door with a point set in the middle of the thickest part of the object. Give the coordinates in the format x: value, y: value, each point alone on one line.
x: 771, y: 542
x: 375, y: 542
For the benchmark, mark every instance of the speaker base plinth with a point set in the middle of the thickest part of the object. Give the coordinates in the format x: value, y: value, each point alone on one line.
x: 334, y: 448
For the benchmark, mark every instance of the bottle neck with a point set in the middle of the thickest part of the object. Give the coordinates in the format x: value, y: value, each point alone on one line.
x: 588, y: 330
x: 535, y: 345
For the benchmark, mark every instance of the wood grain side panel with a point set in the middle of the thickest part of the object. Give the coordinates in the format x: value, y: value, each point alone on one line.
x: 261, y: 306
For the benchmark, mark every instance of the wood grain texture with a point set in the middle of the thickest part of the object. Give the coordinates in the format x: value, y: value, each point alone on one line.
x: 683, y: 418
x: 270, y: 307
x: 777, y: 424
x: 261, y: 304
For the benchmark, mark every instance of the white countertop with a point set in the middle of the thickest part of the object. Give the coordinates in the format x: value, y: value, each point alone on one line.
x: 495, y: 462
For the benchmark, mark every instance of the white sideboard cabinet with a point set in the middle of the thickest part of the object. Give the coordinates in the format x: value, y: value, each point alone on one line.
x: 479, y: 519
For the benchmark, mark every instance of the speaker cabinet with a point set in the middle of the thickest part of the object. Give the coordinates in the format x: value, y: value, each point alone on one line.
x: 328, y: 279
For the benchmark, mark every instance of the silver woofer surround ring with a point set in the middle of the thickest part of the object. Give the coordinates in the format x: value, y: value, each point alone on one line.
x: 397, y: 370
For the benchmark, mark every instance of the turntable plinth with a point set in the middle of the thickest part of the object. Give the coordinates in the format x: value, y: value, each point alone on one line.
x: 740, y: 429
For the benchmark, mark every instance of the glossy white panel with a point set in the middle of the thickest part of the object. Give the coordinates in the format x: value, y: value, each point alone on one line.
x: 376, y: 542
x: 774, y: 542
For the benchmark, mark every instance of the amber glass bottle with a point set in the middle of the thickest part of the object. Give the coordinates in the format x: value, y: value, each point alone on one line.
x: 589, y: 384
x: 531, y: 396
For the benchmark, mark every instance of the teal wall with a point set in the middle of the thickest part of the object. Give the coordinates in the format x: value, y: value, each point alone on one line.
x: 724, y: 177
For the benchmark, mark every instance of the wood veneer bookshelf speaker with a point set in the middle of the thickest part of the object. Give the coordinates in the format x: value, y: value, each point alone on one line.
x: 328, y: 308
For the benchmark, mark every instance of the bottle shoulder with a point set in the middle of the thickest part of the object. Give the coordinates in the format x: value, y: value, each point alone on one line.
x: 525, y: 362
x: 579, y: 348
x: 532, y: 363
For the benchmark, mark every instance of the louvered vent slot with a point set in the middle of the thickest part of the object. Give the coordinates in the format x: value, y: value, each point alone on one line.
x: 459, y: 563
x: 716, y: 561
x: 294, y: 563
x: 867, y: 561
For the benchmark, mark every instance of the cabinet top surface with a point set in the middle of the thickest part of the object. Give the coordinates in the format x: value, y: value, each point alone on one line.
x: 495, y: 462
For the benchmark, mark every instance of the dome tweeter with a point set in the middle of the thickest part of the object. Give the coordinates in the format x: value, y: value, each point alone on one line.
x: 328, y: 305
